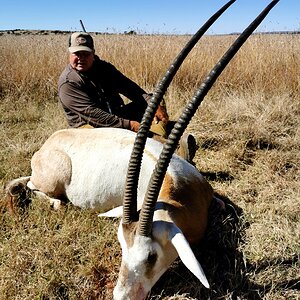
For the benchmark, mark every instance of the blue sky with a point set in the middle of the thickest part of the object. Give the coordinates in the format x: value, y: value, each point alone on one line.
x: 145, y: 16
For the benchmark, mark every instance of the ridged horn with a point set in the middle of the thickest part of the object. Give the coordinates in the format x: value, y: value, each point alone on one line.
x: 146, y: 215
x: 133, y: 172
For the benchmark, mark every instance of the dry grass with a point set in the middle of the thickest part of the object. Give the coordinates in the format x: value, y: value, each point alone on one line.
x: 249, y: 138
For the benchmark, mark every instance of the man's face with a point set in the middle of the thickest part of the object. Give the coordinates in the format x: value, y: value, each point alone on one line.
x: 82, y: 60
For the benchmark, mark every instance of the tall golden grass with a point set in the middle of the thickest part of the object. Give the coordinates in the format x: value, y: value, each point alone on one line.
x: 248, y: 132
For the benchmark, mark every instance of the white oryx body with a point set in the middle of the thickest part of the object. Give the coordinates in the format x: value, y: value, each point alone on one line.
x: 88, y: 167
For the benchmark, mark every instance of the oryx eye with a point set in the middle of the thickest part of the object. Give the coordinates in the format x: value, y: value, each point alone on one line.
x: 152, y: 257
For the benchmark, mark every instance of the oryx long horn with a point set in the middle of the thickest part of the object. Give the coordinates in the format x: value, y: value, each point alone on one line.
x: 146, y: 215
x: 130, y: 193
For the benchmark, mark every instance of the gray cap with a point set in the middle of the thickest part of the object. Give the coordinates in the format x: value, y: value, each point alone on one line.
x: 81, y: 41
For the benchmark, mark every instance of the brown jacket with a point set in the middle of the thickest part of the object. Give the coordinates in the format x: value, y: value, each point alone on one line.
x: 94, y: 97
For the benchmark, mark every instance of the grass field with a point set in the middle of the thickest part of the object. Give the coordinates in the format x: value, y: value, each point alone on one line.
x: 248, y: 130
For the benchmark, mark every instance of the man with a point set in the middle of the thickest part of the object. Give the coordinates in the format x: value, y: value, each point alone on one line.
x: 89, y: 90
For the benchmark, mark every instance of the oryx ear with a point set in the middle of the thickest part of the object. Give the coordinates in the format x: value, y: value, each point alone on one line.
x: 113, y: 213
x: 186, y: 254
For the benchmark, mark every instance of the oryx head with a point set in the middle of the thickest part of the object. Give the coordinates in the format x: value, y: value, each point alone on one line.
x: 150, y: 245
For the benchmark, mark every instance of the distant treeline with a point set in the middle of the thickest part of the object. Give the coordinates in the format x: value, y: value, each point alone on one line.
x: 131, y: 32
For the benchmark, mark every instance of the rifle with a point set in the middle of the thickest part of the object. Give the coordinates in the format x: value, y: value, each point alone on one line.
x: 83, y: 28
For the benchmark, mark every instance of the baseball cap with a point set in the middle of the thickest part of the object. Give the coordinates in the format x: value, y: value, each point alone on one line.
x: 81, y: 41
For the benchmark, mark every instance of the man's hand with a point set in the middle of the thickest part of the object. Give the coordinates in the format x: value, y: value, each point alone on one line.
x: 161, y: 112
x: 161, y: 115
x: 134, y: 126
